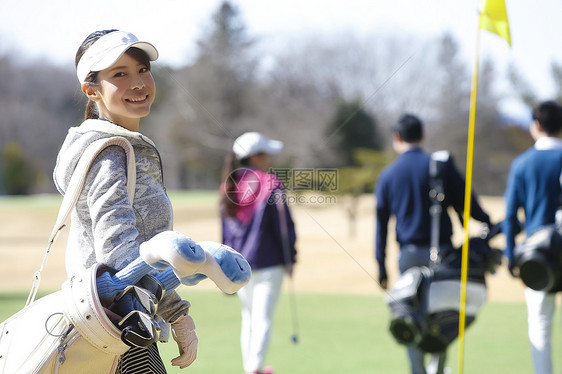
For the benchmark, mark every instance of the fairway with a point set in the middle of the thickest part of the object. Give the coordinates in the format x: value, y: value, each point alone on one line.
x: 341, y: 333
x: 342, y: 314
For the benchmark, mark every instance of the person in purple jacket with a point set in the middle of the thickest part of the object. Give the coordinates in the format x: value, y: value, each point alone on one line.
x: 256, y: 222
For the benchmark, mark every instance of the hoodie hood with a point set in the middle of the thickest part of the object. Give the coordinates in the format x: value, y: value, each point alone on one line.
x: 79, y: 138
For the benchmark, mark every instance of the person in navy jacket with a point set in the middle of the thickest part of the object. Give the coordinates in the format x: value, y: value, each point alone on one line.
x: 534, y: 184
x: 402, y: 191
x: 256, y: 222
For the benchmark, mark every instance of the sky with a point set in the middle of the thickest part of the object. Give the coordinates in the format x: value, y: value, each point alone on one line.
x: 52, y: 30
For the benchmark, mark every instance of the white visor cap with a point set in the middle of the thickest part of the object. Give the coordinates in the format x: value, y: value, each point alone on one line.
x: 109, y: 48
x: 252, y: 143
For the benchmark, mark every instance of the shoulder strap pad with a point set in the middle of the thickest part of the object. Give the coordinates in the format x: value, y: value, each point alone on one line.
x: 81, y: 172
x: 75, y: 189
x: 437, y: 163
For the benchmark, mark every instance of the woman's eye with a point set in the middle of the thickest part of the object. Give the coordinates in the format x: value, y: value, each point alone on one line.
x: 120, y: 74
x: 143, y: 70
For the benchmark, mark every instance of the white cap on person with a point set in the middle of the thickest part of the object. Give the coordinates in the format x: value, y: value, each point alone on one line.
x: 252, y: 143
x: 109, y: 48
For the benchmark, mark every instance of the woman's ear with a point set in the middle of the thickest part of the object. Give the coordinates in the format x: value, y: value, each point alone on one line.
x: 90, y: 91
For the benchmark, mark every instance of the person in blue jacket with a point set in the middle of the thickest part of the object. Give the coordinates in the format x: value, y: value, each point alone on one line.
x: 256, y: 221
x: 402, y: 191
x: 534, y: 184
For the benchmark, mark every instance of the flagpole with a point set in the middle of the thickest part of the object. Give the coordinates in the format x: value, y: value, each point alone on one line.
x: 467, y: 202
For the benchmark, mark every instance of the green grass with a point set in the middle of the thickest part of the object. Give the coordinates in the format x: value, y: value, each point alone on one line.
x: 341, y: 333
x: 337, y: 334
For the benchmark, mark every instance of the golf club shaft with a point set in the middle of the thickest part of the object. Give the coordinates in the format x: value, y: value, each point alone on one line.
x: 287, y: 255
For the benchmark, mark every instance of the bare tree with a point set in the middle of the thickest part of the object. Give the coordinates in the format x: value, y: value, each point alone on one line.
x: 556, y: 72
x: 201, y: 108
x: 38, y: 103
x: 211, y: 100
x: 521, y: 86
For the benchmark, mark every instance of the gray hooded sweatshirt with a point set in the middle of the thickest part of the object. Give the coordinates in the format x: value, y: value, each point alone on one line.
x: 105, y: 228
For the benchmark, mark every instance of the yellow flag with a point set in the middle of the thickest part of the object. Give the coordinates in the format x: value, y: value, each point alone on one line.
x: 493, y: 17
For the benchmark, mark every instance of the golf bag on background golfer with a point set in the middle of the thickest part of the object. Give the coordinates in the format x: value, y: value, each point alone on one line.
x: 425, y: 300
x: 538, y: 260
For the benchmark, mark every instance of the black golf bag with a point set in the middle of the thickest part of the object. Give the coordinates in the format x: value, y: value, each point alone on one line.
x: 538, y: 260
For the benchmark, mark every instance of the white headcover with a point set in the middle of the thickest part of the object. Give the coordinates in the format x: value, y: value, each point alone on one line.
x: 109, y: 48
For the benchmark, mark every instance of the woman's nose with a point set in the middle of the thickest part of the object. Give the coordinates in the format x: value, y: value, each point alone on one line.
x: 137, y: 82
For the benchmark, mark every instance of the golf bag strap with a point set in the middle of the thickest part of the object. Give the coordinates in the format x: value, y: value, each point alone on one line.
x: 437, y: 163
x: 75, y: 188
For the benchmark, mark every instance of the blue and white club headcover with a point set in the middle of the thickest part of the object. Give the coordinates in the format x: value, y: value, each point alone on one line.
x: 170, y: 248
x: 159, y: 252
x: 227, y: 268
x: 183, y: 261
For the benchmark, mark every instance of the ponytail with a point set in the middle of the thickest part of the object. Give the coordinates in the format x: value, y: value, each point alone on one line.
x: 91, y: 110
x: 228, y: 176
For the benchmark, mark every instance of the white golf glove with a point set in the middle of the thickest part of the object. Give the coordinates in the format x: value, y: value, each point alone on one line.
x: 183, y: 332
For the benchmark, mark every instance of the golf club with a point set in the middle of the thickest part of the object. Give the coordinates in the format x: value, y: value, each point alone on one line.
x: 293, y: 305
x: 287, y: 255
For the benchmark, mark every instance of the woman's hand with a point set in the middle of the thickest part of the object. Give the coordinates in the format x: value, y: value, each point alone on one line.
x: 183, y: 332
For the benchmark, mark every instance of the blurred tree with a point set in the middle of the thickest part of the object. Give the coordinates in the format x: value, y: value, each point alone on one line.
x: 212, y: 100
x: 447, y: 127
x: 525, y: 92
x: 288, y: 91
x: 297, y: 100
x: 17, y: 176
x: 224, y: 54
x: 556, y: 72
x: 38, y: 103
x: 521, y: 86
x: 352, y: 128
x: 491, y: 146
x: 359, y: 179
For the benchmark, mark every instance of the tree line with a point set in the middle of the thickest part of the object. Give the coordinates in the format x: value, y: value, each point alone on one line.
x: 331, y: 99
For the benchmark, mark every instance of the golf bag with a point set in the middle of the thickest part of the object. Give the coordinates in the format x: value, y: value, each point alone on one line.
x: 71, y: 331
x: 538, y: 260
x: 425, y: 300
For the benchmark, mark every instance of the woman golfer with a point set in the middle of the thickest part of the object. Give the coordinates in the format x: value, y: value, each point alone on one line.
x: 256, y: 222
x: 113, y: 68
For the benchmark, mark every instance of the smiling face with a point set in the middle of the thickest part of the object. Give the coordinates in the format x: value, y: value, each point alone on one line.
x: 124, y: 92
